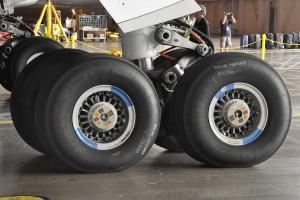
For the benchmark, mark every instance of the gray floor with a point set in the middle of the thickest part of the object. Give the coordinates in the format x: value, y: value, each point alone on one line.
x: 161, y: 175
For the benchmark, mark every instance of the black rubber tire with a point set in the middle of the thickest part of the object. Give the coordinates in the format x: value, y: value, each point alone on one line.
x: 165, y: 138
x: 27, y: 48
x: 27, y: 86
x: 57, y: 98
x: 169, y: 142
x: 7, y: 48
x: 195, y: 92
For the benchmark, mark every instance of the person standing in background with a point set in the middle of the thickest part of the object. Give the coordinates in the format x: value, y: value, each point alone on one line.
x: 202, y: 23
x: 226, y: 31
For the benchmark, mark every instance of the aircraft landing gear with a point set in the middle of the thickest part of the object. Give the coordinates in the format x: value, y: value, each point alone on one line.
x: 102, y: 113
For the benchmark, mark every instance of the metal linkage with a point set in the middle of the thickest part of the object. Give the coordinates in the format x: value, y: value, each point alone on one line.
x: 173, y: 74
x: 10, y: 24
x: 14, y: 26
x: 169, y: 37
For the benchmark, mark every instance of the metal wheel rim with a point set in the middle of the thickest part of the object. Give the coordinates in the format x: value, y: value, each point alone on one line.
x: 252, y: 127
x: 93, y: 134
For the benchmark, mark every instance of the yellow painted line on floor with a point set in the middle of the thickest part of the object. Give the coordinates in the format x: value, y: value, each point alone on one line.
x: 296, y: 115
x: 22, y: 198
x: 4, y: 122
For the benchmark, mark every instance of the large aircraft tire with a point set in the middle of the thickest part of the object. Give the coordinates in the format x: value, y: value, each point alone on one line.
x: 169, y: 142
x: 234, y: 111
x: 27, y: 86
x: 102, y: 115
x: 27, y: 50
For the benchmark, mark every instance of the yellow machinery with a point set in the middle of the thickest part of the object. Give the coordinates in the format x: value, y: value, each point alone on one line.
x: 53, y: 23
x: 112, y: 36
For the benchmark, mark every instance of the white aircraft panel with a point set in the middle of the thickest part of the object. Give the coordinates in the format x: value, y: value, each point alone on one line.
x: 175, y: 11
x: 23, y: 3
x: 123, y: 10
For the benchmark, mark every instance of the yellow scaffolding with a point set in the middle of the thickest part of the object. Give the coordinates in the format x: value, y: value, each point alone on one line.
x: 50, y: 12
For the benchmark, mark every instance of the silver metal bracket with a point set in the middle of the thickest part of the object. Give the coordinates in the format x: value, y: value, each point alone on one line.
x: 9, y: 23
x: 13, y: 27
x: 173, y: 74
x: 169, y: 37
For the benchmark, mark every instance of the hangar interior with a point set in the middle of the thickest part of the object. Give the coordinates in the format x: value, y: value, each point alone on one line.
x: 96, y: 103
x: 255, y: 15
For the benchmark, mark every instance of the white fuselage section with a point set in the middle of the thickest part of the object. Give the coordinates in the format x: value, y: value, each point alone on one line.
x: 123, y: 10
x: 132, y: 15
x: 22, y: 3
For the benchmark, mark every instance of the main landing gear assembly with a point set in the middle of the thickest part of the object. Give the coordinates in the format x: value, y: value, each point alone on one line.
x: 102, y: 113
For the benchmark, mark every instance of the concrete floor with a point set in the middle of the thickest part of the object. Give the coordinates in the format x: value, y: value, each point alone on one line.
x: 161, y: 175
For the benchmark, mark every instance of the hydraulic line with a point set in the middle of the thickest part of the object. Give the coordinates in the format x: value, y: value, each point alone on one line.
x: 205, y: 37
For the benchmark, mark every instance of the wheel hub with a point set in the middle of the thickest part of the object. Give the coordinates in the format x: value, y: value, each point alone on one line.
x: 237, y: 113
x: 103, y: 116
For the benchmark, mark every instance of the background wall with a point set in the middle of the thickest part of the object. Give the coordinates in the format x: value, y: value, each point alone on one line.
x: 253, y: 16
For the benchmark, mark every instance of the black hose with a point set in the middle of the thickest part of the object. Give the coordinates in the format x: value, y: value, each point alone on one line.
x: 204, y: 36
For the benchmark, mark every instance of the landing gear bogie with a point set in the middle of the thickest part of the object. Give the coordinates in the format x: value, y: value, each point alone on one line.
x: 101, y: 113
